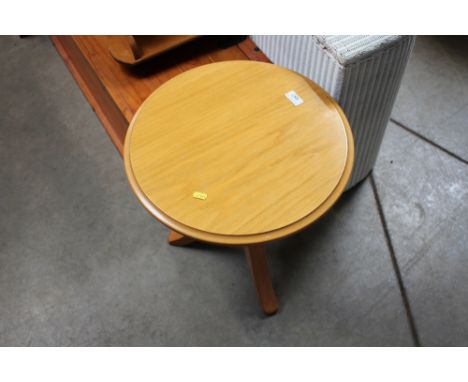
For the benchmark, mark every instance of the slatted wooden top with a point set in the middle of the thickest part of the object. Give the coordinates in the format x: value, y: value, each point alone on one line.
x: 219, y: 153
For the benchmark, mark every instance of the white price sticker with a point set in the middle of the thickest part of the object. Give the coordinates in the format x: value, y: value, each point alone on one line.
x: 294, y: 98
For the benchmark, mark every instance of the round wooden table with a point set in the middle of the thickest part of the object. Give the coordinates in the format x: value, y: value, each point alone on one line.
x: 239, y: 153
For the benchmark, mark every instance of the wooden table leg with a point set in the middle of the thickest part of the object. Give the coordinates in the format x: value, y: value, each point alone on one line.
x: 256, y: 258
x: 175, y: 238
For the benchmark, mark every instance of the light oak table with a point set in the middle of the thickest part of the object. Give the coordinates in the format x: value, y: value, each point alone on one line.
x: 239, y: 153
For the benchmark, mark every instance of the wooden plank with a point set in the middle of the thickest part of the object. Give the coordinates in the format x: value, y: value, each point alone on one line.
x: 127, y: 88
x: 132, y: 50
x: 116, y: 91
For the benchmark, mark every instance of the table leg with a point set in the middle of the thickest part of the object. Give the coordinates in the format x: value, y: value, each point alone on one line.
x: 175, y: 238
x: 256, y: 258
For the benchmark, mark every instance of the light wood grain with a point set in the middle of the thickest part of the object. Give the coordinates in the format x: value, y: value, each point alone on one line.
x: 269, y: 168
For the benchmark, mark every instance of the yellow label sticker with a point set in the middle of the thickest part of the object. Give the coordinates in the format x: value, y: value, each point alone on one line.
x: 200, y: 195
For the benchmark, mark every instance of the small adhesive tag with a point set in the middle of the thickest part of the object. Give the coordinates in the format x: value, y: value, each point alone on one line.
x: 294, y: 98
x: 200, y: 195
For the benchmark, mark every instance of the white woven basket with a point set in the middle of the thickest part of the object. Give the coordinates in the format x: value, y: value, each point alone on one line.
x: 363, y: 73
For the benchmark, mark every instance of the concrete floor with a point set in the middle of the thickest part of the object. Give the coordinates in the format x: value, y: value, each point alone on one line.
x: 81, y: 263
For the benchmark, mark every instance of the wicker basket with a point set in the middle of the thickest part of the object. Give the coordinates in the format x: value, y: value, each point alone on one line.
x: 363, y: 73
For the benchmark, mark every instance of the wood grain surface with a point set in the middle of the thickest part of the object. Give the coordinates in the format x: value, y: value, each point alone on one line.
x: 268, y: 168
x: 116, y: 92
x: 133, y: 50
x: 129, y: 87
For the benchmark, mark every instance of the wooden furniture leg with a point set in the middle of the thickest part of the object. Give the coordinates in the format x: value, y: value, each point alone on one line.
x: 256, y: 258
x: 175, y: 238
x: 133, y: 47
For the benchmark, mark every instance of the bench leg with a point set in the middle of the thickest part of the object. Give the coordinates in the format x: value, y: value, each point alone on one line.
x: 175, y: 238
x: 256, y: 258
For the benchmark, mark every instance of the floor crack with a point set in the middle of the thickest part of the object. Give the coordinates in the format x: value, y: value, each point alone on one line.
x: 427, y: 140
x: 396, y: 268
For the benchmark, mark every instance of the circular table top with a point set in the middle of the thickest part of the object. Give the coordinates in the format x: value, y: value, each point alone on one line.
x: 238, y: 152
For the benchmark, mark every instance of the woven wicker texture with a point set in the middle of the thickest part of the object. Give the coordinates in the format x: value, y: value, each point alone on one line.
x: 363, y: 73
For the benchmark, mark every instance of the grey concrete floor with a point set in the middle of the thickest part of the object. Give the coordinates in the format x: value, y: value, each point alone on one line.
x: 81, y: 263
